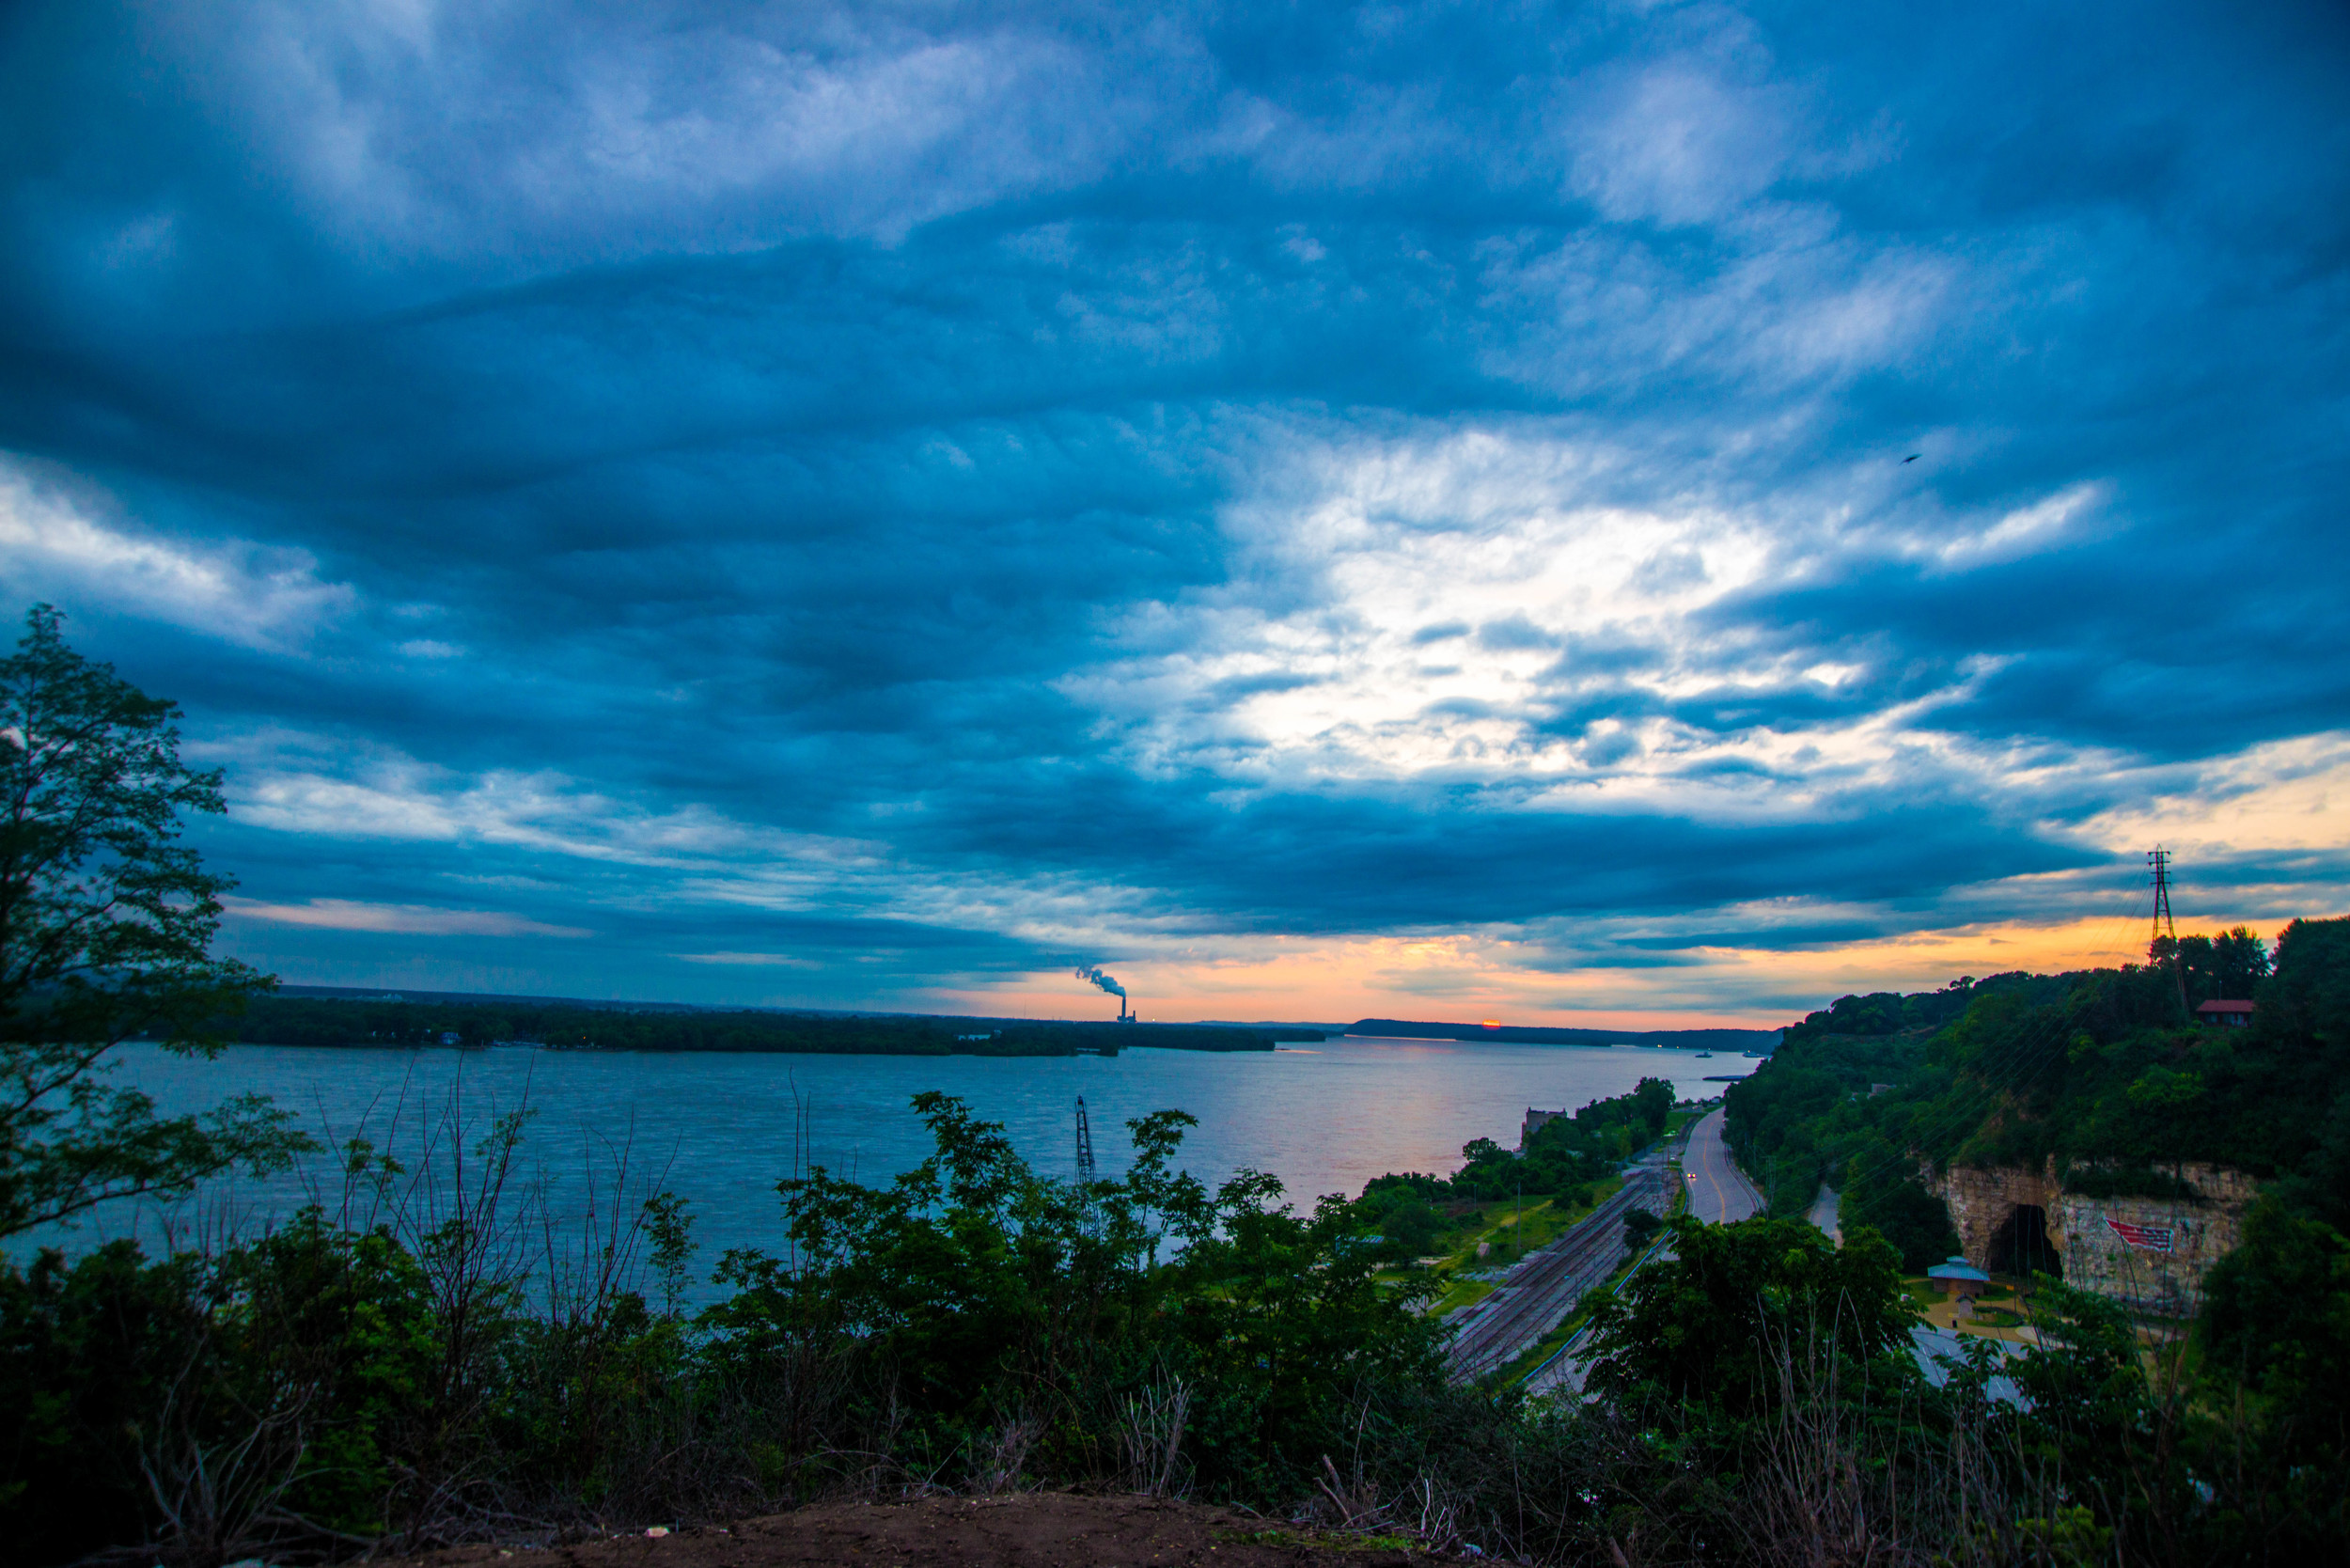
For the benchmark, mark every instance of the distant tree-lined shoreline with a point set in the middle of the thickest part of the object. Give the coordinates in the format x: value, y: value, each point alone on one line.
x: 475, y: 1022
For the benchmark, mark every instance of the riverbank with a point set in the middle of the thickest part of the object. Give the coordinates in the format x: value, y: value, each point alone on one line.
x: 394, y: 1020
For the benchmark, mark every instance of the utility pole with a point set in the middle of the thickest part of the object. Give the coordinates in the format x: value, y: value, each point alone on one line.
x: 1085, y: 1145
x: 2159, y: 859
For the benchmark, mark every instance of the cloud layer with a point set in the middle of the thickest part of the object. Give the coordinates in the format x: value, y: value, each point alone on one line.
x: 1602, y: 513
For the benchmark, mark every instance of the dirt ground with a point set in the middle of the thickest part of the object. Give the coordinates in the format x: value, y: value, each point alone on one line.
x: 1022, y: 1530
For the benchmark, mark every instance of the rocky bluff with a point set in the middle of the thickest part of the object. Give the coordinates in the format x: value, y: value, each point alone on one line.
x: 2148, y: 1252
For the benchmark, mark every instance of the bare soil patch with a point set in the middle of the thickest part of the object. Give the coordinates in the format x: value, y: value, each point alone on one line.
x: 1043, y: 1529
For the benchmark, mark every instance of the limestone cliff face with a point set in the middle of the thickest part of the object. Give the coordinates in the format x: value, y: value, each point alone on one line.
x: 2111, y: 1246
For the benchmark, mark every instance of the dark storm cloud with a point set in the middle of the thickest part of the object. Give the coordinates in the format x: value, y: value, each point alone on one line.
x: 823, y: 500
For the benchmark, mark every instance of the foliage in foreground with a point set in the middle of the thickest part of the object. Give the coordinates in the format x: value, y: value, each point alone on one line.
x: 420, y: 1363
x: 415, y: 1361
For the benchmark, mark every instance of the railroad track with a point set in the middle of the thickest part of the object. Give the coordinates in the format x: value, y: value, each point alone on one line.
x: 1543, y: 1288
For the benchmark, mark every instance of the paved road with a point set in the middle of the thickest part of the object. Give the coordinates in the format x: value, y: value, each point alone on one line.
x: 1826, y: 1214
x: 1719, y: 1193
x: 1543, y: 1288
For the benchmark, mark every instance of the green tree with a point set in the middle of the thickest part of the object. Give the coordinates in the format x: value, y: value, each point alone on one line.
x: 1882, y: 1191
x: 2227, y: 965
x: 1411, y: 1229
x: 2310, y: 993
x: 2114, y: 1418
x: 107, y: 922
x: 88, y: 1355
x: 973, y: 1298
x: 2277, y: 1319
x: 1710, y: 1324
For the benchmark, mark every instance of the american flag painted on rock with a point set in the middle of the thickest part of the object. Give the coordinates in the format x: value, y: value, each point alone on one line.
x: 2146, y: 1238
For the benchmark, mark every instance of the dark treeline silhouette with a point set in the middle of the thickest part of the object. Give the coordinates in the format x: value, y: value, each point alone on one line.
x: 1537, y: 1034
x: 300, y: 1020
x: 415, y: 1363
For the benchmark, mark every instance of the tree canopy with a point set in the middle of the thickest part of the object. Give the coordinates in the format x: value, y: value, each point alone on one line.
x: 107, y: 922
x: 1735, y: 1304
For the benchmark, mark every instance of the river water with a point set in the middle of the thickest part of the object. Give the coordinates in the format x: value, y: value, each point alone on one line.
x: 721, y: 1129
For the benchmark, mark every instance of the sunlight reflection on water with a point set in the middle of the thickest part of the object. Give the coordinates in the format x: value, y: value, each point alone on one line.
x: 719, y: 1128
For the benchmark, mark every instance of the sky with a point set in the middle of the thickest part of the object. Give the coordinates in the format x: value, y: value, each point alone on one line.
x: 1628, y: 514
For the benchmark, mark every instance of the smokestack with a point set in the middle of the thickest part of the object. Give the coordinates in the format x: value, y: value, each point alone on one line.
x: 1109, y: 983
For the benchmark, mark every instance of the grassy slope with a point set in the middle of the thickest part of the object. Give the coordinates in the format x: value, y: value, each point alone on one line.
x: 1556, y: 1340
x: 1499, y: 1225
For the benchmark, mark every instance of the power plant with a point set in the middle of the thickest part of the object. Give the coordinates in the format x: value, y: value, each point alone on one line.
x: 1107, y: 983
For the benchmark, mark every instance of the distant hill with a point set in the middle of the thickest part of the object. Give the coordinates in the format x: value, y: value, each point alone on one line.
x: 2103, y: 1075
x: 499, y: 998
x: 489, y: 999
x: 351, y: 1016
x: 1764, y: 1041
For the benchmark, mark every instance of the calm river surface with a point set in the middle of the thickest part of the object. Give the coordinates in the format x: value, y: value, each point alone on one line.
x: 719, y: 1128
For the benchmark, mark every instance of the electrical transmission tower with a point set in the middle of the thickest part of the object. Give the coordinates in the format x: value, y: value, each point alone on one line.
x: 2160, y: 860
x: 1085, y: 1145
